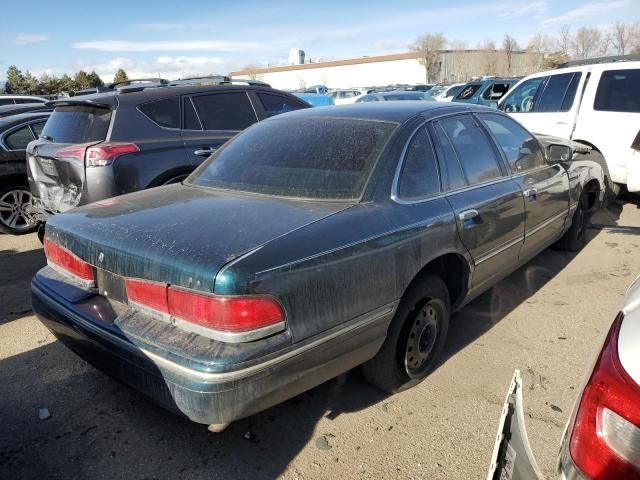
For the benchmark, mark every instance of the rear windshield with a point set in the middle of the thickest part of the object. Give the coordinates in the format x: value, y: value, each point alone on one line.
x: 618, y: 91
x: 77, y: 124
x: 313, y: 158
x: 405, y: 96
x: 468, y: 91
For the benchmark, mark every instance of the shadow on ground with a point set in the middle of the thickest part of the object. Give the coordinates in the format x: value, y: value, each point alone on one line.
x: 101, y: 429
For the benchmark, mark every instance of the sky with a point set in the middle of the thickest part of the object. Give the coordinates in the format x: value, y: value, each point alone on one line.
x: 184, y: 38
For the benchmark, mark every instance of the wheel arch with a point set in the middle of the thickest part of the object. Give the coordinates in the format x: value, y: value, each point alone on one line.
x: 164, y: 177
x: 453, y: 269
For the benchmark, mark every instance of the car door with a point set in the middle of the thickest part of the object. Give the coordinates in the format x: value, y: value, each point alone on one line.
x: 209, y: 120
x: 545, y: 187
x: 488, y: 205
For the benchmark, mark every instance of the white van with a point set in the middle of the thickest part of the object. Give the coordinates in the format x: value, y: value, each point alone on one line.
x: 596, y: 102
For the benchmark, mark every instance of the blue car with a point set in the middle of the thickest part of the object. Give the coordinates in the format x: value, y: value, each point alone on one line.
x: 485, y: 92
x: 315, y: 99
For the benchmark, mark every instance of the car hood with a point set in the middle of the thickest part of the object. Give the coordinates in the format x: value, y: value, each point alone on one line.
x: 179, y: 234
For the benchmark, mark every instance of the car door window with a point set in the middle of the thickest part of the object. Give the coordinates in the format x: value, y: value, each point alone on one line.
x: 6, y: 101
x: 277, y: 104
x: 225, y: 111
x: 618, y: 91
x: 570, y: 94
x: 18, y: 139
x: 191, y: 121
x: 448, y: 158
x: 165, y: 112
x: 419, y: 176
x: 553, y: 94
x: 522, y: 98
x: 522, y: 150
x: 473, y: 148
x: 37, y: 128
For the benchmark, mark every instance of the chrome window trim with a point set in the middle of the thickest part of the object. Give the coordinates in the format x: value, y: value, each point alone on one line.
x: 13, y: 129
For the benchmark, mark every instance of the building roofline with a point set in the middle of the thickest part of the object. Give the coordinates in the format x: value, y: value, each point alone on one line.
x: 349, y: 61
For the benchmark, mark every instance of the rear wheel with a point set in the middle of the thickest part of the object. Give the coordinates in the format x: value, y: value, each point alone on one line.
x: 576, y: 237
x: 15, y: 215
x: 415, y: 338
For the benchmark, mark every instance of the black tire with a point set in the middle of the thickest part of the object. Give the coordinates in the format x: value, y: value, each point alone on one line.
x: 611, y: 189
x: 420, y: 325
x: 575, y: 238
x: 15, y: 218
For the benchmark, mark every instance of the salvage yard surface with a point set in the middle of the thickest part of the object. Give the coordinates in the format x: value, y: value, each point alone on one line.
x: 547, y: 319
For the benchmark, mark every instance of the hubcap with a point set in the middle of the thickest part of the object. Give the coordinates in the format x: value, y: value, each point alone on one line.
x: 15, y: 210
x: 421, y: 340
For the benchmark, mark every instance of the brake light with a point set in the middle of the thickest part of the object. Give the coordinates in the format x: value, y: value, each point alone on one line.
x: 605, y: 440
x: 61, y: 258
x: 96, y: 155
x: 230, y: 318
x: 105, y: 153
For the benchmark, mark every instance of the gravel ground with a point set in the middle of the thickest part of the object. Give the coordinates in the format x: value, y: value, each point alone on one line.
x: 547, y: 319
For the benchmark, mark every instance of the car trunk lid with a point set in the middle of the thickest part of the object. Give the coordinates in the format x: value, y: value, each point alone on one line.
x: 179, y: 234
x: 55, y: 161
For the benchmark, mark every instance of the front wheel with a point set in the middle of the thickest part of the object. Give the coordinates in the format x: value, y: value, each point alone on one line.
x: 15, y: 216
x: 415, y: 338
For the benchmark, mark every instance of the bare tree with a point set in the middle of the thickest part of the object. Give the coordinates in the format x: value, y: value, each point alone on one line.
x: 586, y: 42
x: 510, y: 46
x: 622, y: 36
x: 488, y: 44
x: 564, y: 41
x: 428, y: 48
x: 541, y: 43
x: 458, y: 44
x: 604, y: 47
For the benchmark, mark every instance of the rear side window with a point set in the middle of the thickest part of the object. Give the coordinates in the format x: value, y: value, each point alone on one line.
x: 419, y: 177
x: 37, y: 127
x: 618, y: 91
x: 277, y: 104
x: 77, y: 124
x: 6, y: 101
x: 523, y: 152
x: 165, y: 112
x: 448, y: 157
x: 472, y: 147
x: 468, y: 91
x: 225, y: 111
x: 552, y: 97
x: 18, y: 139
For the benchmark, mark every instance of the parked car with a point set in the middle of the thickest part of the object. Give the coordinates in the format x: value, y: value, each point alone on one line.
x: 311, y: 243
x: 315, y: 99
x: 486, y: 91
x: 98, y: 146
x: 345, y: 96
x: 595, y: 102
x: 16, y: 132
x: 394, y: 95
x: 15, y: 109
x: 132, y: 81
x: 448, y: 93
x: 420, y: 87
x: 20, y: 99
x: 602, y: 438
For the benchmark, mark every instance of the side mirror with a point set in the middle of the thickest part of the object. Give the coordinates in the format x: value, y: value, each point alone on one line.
x: 559, y: 153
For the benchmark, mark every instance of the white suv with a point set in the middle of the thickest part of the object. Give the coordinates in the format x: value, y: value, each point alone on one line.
x: 593, y: 103
x: 345, y: 96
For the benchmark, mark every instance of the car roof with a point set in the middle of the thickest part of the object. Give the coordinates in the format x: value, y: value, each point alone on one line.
x: 397, y: 112
x: 144, y: 94
x: 10, y: 121
x: 21, y: 106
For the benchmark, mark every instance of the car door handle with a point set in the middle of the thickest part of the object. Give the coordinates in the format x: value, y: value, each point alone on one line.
x: 204, y: 152
x: 531, y: 194
x: 468, y: 215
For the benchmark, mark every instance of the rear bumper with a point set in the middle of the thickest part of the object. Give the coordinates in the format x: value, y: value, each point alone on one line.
x: 205, y: 396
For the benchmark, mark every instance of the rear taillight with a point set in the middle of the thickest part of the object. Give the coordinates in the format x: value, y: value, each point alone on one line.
x: 62, y: 259
x: 228, y: 318
x: 605, y: 440
x: 97, y: 155
x: 105, y: 153
x: 636, y: 142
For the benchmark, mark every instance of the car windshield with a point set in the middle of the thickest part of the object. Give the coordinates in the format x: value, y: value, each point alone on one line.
x: 311, y: 157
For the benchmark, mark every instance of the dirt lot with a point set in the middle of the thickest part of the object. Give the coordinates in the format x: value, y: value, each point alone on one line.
x: 546, y: 319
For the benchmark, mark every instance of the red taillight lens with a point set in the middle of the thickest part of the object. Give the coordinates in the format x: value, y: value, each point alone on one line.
x: 105, y: 153
x: 221, y: 316
x: 605, y: 440
x: 62, y: 258
x: 73, y: 151
x: 224, y: 314
x: 150, y: 295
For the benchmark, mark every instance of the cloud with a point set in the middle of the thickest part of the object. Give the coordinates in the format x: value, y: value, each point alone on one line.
x: 586, y: 10
x: 171, y: 46
x: 534, y: 8
x: 26, y: 39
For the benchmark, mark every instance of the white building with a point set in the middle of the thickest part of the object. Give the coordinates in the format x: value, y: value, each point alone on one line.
x: 403, y: 68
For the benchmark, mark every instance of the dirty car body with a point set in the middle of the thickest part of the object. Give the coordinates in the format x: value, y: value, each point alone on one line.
x: 321, y: 234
